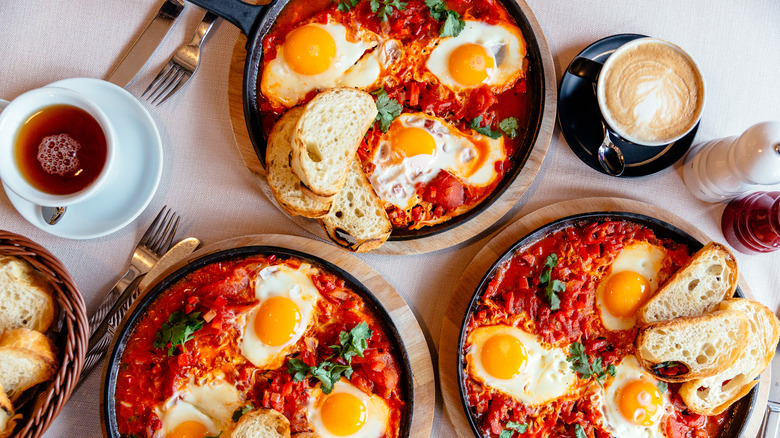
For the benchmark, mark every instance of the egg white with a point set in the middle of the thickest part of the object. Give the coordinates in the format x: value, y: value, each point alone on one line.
x: 377, y: 411
x: 211, y: 404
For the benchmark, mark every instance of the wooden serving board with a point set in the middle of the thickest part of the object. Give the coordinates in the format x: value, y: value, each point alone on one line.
x: 500, y: 243
x: 454, y: 236
x: 404, y: 320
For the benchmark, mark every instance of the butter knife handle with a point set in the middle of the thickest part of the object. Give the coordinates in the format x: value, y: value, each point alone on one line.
x: 108, y: 301
x: 771, y: 426
x: 242, y: 15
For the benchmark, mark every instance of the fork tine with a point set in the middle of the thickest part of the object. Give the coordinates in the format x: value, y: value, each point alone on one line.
x: 166, y: 244
x: 183, y: 80
x: 162, y: 232
x: 147, y: 237
x: 164, y: 83
x: 166, y: 90
x: 163, y: 73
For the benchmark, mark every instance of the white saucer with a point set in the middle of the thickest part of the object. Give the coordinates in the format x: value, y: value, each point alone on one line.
x: 130, y: 186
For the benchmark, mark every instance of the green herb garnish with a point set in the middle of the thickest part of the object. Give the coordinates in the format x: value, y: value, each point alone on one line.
x: 387, y: 110
x: 354, y: 342
x: 384, y: 8
x: 452, y: 25
x: 178, y: 330
x: 579, y: 432
x: 554, y: 287
x: 512, y: 427
x: 476, y: 125
x: 346, y: 5
x: 238, y: 413
x: 509, y: 126
x: 580, y: 363
x: 662, y: 386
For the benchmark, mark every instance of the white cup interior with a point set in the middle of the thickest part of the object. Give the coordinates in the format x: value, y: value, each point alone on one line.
x: 19, y: 111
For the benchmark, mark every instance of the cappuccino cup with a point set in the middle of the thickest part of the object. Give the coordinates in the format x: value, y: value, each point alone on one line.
x: 57, y: 146
x: 649, y: 91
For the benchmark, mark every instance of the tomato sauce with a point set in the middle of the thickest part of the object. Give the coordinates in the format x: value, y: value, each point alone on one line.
x: 148, y: 376
x: 515, y: 297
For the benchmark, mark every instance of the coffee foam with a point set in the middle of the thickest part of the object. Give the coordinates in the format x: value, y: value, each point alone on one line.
x: 653, y: 93
x: 57, y: 154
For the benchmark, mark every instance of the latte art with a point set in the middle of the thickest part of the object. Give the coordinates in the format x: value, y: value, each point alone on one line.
x: 653, y: 93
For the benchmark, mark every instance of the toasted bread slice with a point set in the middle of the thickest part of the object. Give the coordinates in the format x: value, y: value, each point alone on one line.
x: 7, y: 417
x: 285, y: 185
x: 262, y: 423
x: 710, y: 395
x: 358, y: 220
x: 706, y: 344
x: 25, y: 297
x: 709, y: 277
x: 327, y: 136
x: 27, y: 358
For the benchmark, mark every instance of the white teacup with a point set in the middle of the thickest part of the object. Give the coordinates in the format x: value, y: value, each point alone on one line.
x: 45, y: 176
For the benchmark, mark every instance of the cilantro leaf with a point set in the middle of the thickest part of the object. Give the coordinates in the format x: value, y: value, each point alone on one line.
x: 346, y: 5
x: 388, y: 109
x: 509, y: 126
x: 505, y: 434
x: 612, y: 370
x: 298, y: 369
x: 511, y: 427
x: 329, y: 373
x: 452, y: 25
x: 437, y: 9
x: 353, y: 342
x: 662, y: 386
x: 579, y: 432
x: 384, y: 8
x: 178, y: 330
x: 238, y: 413
x: 579, y: 361
x: 551, y: 288
x: 476, y: 125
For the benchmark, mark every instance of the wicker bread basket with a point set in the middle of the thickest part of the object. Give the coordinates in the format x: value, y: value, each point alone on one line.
x: 71, y: 337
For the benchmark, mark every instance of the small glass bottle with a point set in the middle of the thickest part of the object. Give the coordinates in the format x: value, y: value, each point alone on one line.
x: 751, y: 223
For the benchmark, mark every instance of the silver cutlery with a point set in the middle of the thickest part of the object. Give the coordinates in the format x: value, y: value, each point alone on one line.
x: 182, y: 65
x: 771, y: 424
x: 52, y: 215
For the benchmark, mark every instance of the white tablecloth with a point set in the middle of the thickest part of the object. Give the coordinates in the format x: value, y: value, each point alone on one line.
x: 736, y: 43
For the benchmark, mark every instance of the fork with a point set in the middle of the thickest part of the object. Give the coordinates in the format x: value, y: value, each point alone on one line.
x: 153, y: 244
x: 182, y: 65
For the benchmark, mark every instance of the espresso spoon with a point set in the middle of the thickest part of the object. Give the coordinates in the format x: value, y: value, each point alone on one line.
x: 52, y: 215
x: 610, y: 157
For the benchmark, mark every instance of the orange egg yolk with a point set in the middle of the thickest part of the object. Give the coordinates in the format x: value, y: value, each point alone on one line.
x: 625, y: 292
x: 343, y: 414
x: 189, y: 429
x: 503, y: 356
x: 277, y: 321
x: 468, y: 64
x: 413, y: 141
x: 309, y: 50
x: 639, y: 401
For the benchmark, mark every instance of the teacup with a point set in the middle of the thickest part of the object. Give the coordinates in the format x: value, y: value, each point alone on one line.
x: 57, y: 147
x: 650, y: 92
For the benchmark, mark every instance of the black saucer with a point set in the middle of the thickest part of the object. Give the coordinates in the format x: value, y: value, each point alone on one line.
x: 580, y: 120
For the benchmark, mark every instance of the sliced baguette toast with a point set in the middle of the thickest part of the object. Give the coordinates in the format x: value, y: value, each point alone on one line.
x: 710, y: 395
x: 27, y: 358
x: 357, y: 221
x: 327, y: 136
x: 262, y: 423
x: 7, y: 417
x: 285, y: 185
x: 706, y: 344
x: 709, y: 277
x: 25, y: 297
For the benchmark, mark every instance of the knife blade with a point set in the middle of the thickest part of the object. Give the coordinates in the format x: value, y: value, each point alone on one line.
x: 147, y: 43
x: 101, y: 337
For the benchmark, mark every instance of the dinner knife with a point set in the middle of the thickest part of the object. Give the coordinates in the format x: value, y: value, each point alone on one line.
x: 101, y: 337
x: 147, y: 43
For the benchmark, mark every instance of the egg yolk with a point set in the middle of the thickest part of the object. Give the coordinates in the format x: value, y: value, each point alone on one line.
x: 468, y: 64
x: 343, y: 413
x: 189, y: 429
x: 309, y: 50
x: 625, y: 292
x: 413, y: 141
x: 639, y: 401
x: 503, y: 356
x: 277, y: 321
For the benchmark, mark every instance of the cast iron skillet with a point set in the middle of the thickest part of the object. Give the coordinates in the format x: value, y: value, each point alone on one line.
x: 740, y: 410
x: 256, y: 21
x: 127, y: 327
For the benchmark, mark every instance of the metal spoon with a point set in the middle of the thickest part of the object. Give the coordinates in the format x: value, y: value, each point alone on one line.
x: 610, y: 157
x: 52, y: 215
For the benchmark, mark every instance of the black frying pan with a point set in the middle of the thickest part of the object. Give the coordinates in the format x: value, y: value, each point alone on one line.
x: 256, y: 21
x: 740, y: 410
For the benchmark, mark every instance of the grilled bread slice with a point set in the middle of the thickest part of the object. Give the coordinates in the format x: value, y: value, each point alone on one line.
x: 709, y: 277
x: 327, y: 136
x: 285, y: 185
x: 357, y: 221
x: 710, y: 395
x: 262, y: 423
x: 27, y: 358
x: 25, y: 297
x: 7, y: 417
x: 706, y: 345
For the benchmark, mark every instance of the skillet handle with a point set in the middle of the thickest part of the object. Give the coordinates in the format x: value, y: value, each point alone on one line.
x: 241, y: 14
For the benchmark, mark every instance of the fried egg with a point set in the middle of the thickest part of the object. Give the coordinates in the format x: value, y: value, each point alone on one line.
x: 196, y: 411
x: 633, y: 405
x: 347, y: 412
x: 515, y: 363
x: 287, y: 298
x: 417, y: 147
x: 630, y: 281
x: 482, y: 53
x: 316, y: 56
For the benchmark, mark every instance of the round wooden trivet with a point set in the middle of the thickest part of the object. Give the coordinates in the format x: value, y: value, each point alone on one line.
x: 500, y: 243
x: 451, y: 237
x: 394, y: 304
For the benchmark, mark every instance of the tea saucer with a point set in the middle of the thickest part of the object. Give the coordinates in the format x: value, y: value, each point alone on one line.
x: 580, y: 120
x: 131, y: 184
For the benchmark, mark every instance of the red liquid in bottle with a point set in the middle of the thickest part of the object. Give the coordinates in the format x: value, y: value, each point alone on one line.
x: 751, y: 224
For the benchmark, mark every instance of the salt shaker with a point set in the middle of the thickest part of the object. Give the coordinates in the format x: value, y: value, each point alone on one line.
x: 720, y: 170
